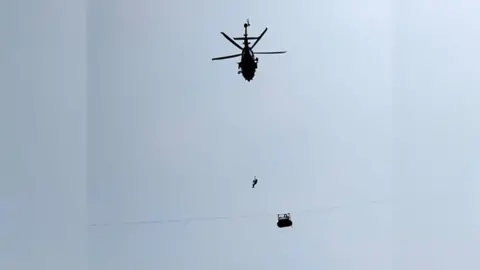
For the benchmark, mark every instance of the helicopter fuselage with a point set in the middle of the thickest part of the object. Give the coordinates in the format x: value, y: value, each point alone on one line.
x: 248, y: 64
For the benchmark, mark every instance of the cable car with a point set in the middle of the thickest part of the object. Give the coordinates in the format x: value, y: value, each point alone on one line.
x: 284, y: 220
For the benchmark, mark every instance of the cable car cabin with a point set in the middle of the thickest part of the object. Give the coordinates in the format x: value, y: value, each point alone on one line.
x: 284, y: 220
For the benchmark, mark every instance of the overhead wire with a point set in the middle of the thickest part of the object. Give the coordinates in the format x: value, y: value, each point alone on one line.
x: 216, y: 218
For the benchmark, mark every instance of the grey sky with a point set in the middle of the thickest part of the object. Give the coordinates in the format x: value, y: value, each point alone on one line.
x: 42, y: 136
x: 121, y: 115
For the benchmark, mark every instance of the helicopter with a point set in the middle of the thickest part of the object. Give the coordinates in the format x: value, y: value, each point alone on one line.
x: 248, y: 62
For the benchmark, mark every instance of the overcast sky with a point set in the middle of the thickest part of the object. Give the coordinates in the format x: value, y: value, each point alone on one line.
x: 365, y: 131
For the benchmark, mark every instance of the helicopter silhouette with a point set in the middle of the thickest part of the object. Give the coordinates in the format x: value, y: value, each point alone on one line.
x: 248, y: 62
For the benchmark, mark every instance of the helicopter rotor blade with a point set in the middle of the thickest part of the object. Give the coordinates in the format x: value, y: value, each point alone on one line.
x: 270, y: 52
x: 227, y: 57
x: 232, y: 41
x: 259, y: 37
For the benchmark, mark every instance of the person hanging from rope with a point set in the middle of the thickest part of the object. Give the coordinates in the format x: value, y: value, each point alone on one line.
x: 254, y: 182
